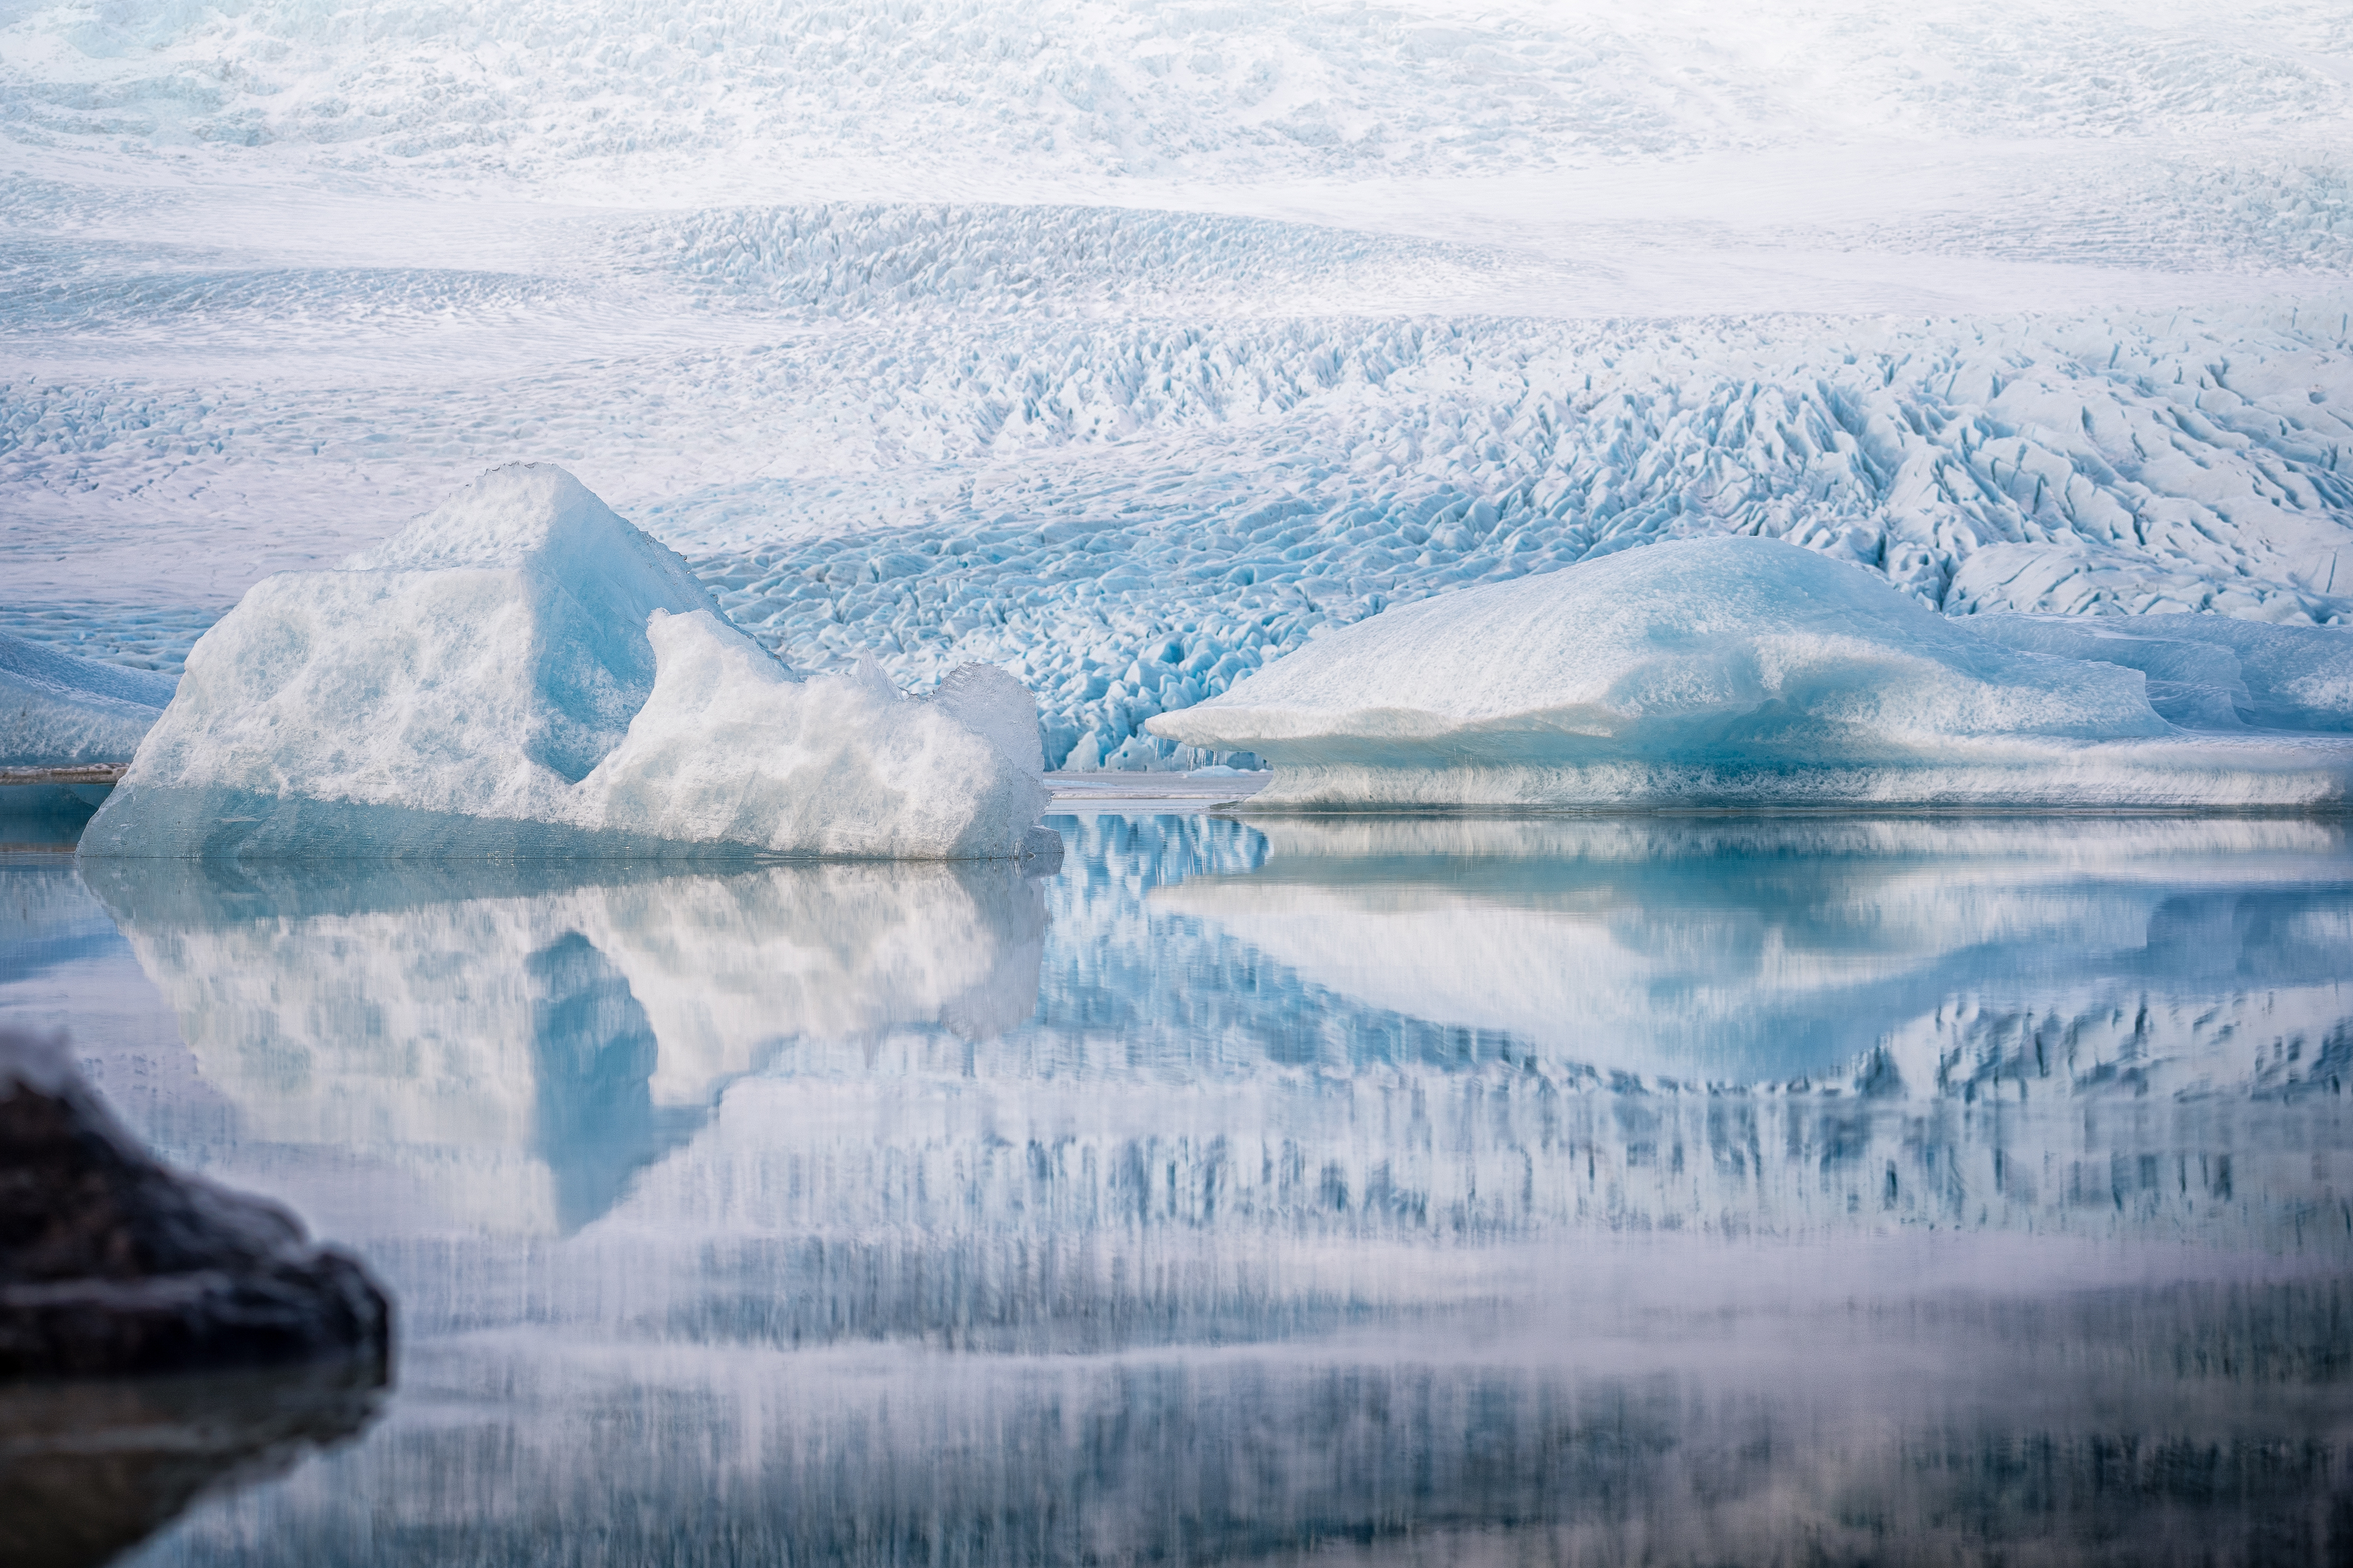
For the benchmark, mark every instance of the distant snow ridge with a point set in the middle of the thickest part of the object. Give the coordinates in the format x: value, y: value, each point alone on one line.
x: 71, y: 294
x: 2289, y: 210
x: 1095, y: 87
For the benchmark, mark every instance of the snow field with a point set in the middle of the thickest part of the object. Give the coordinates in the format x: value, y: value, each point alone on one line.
x: 1095, y: 90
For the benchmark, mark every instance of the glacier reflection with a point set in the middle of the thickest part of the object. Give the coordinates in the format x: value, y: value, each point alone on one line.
x: 1426, y: 1190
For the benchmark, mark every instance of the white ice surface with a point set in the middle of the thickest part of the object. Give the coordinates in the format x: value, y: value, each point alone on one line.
x: 732, y: 748
x: 1134, y: 345
x: 1728, y: 671
x: 59, y: 710
x: 522, y: 657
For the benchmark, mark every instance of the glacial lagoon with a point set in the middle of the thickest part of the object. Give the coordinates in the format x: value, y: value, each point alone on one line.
x: 1719, y: 1189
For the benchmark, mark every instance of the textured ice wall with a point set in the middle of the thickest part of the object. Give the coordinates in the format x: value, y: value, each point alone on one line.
x: 1397, y: 462
x: 1134, y: 517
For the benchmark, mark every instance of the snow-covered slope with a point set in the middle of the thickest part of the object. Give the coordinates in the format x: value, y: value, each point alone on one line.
x: 1096, y: 89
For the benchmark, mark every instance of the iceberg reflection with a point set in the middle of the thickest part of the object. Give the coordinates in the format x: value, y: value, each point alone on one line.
x: 1416, y: 1190
x: 514, y: 1044
x: 1940, y: 956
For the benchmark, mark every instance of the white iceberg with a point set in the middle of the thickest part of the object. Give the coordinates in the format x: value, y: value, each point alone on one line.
x: 60, y: 712
x: 1725, y: 671
x: 522, y: 673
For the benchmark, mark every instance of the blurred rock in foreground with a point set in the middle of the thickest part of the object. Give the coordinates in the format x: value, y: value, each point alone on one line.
x: 113, y: 1265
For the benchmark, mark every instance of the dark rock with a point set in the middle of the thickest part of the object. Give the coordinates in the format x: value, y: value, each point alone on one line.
x: 111, y: 1265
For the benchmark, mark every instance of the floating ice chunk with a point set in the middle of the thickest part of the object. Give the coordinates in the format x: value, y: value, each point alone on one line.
x: 1721, y: 671
x: 56, y: 710
x: 2206, y: 671
x: 486, y: 683
x: 732, y: 748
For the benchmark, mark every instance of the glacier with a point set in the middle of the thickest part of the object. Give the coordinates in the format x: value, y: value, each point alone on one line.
x: 1188, y: 334
x: 520, y: 672
x: 1734, y: 671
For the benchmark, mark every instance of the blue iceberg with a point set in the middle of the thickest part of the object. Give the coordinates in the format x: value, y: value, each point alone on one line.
x: 1746, y: 673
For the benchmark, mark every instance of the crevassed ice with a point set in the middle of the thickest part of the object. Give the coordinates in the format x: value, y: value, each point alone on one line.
x: 522, y: 672
x: 1729, y: 671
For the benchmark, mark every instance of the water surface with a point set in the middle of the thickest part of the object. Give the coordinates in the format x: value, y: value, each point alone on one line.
x: 1705, y: 1189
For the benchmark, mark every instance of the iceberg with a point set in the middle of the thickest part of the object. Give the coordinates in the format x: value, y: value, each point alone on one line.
x: 60, y: 712
x: 2206, y: 671
x: 521, y: 673
x: 1738, y: 671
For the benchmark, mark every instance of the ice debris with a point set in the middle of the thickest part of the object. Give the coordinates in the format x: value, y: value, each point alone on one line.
x: 522, y: 672
x: 57, y: 711
x: 1728, y: 671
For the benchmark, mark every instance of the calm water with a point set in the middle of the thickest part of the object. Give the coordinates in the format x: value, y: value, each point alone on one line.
x: 1708, y: 1191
